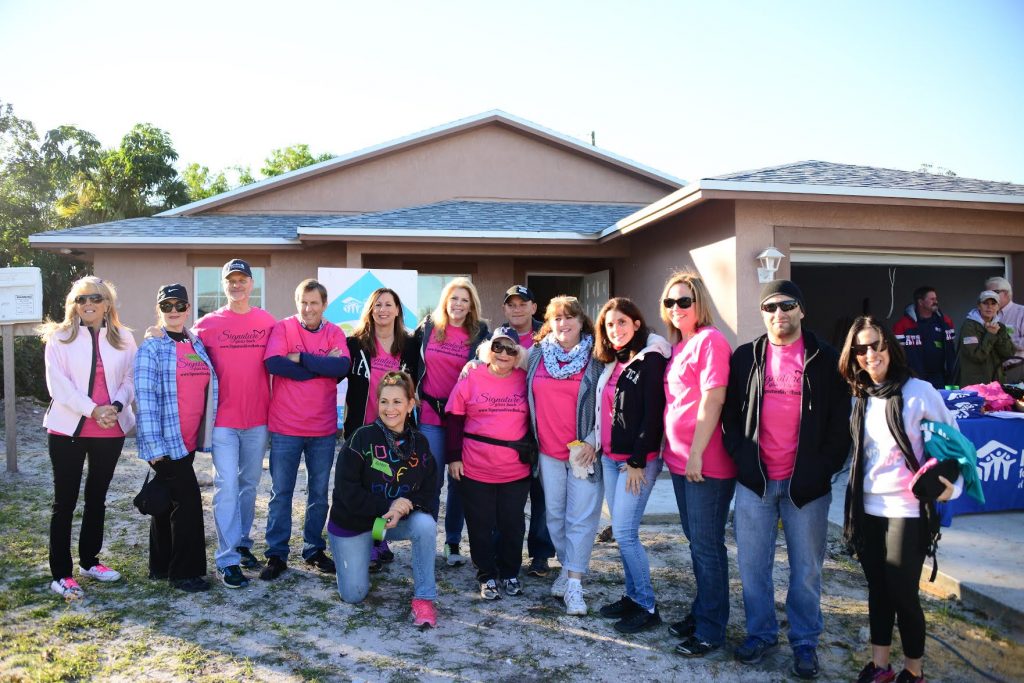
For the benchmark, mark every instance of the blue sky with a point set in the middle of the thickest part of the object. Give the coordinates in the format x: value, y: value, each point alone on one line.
x: 692, y: 89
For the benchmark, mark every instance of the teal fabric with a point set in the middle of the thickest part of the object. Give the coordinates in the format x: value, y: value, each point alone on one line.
x: 943, y: 442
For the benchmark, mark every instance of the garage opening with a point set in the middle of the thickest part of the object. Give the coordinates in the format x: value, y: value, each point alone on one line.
x: 840, y: 285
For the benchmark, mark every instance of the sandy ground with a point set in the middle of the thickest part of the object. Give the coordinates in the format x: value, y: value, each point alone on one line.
x: 296, y: 628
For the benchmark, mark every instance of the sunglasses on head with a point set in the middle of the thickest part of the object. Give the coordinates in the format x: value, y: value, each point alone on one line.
x: 509, y: 349
x: 179, y: 306
x: 91, y: 298
x: 681, y: 302
x: 862, y: 349
x: 786, y: 306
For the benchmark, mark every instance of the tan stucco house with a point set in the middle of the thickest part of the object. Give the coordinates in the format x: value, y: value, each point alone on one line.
x: 504, y: 200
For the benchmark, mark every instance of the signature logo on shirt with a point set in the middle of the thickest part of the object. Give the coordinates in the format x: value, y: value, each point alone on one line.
x: 229, y: 339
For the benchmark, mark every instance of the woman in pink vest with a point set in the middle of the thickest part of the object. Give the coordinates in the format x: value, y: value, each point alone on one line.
x: 89, y: 358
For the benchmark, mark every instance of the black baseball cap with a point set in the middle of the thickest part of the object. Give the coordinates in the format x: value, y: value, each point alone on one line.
x: 522, y: 291
x: 175, y: 291
x: 236, y: 265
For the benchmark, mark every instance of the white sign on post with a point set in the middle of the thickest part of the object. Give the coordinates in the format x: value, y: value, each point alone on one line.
x: 21, y: 301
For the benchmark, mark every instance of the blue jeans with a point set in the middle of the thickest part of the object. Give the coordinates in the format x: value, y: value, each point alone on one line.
x: 352, y: 558
x: 573, y: 513
x: 806, y: 529
x: 627, y: 510
x: 454, y: 517
x: 703, y: 512
x: 285, y: 452
x: 237, y: 467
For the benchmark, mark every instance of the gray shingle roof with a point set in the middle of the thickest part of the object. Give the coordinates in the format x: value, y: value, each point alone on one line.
x: 489, y: 216
x: 847, y: 175
x: 211, y: 225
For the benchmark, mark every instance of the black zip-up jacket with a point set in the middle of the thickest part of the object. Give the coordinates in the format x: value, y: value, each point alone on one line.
x: 824, y: 437
x: 359, y: 380
x: 638, y: 404
x: 363, y: 492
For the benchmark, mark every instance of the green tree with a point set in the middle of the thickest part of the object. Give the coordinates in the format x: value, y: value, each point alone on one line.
x: 290, y: 159
x: 200, y: 183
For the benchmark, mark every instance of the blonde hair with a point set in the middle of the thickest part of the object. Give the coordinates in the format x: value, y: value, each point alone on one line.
x: 701, y: 301
x: 90, y: 284
x: 440, y: 314
x: 483, y: 352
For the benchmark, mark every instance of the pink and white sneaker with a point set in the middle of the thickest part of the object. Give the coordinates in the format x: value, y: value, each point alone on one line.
x: 423, y: 613
x: 101, y: 573
x: 68, y: 589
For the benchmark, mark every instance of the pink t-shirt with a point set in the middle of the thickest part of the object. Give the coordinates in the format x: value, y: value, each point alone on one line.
x: 494, y: 407
x: 698, y: 366
x: 100, y: 397
x: 308, y: 407
x: 193, y: 378
x: 780, y: 408
x: 380, y: 365
x: 236, y: 343
x: 526, y: 339
x: 555, y: 401
x: 443, y: 361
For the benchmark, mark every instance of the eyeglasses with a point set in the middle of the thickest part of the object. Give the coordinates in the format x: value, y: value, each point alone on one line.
x: 179, y: 306
x: 786, y: 306
x: 681, y: 302
x: 91, y: 298
x: 862, y: 349
x: 498, y: 347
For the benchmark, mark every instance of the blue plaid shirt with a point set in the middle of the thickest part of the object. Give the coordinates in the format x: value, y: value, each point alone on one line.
x: 156, y: 394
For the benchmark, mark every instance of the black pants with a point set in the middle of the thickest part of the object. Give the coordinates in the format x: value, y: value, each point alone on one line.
x: 177, y: 538
x: 892, y: 559
x: 68, y: 455
x: 495, y: 509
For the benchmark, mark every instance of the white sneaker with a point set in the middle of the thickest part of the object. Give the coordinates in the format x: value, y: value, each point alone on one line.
x: 68, y: 589
x: 452, y: 556
x: 101, y: 573
x: 575, y: 605
x: 558, y: 587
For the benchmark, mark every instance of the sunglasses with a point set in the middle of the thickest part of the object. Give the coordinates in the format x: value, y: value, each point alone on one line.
x: 862, y: 349
x: 498, y: 347
x: 786, y: 306
x: 91, y: 298
x: 681, y: 302
x: 168, y: 306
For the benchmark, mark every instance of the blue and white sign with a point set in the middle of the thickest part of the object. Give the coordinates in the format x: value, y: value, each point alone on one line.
x: 349, y: 288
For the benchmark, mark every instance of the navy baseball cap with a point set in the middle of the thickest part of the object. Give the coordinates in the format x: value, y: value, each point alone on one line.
x: 522, y: 291
x: 236, y: 265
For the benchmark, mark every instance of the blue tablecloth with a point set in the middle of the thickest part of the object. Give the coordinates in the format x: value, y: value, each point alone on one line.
x: 1000, y: 445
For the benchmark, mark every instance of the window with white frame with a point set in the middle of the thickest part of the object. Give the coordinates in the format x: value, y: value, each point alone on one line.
x: 208, y: 290
x: 428, y: 291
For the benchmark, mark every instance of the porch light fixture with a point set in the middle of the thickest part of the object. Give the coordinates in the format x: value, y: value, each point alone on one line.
x: 769, y: 259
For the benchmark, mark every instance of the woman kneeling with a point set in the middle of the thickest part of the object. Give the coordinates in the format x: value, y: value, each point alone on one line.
x: 385, y: 470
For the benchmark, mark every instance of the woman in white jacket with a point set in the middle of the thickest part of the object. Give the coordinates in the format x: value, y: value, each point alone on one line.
x: 89, y: 359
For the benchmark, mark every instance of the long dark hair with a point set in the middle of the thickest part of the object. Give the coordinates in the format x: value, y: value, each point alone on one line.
x: 603, y: 349
x: 856, y: 376
x: 366, y: 332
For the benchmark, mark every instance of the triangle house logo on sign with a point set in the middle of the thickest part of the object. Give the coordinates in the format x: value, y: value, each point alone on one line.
x: 349, y: 288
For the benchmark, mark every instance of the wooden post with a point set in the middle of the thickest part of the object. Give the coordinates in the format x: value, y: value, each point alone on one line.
x: 10, y: 400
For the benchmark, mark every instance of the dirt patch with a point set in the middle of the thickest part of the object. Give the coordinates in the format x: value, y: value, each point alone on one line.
x: 296, y: 628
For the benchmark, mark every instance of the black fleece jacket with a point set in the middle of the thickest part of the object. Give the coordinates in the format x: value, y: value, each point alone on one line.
x: 363, y: 492
x: 359, y: 380
x: 824, y: 437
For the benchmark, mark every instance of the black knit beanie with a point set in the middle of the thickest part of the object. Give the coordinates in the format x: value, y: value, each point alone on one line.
x: 782, y: 287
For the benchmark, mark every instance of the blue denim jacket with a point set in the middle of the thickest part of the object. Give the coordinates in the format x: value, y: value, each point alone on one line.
x: 156, y: 393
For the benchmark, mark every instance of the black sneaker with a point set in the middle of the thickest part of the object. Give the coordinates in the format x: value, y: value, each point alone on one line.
x: 247, y: 559
x: 196, y: 584
x: 685, y: 628
x: 754, y: 649
x: 638, y: 621
x: 620, y: 608
x: 275, y: 567
x: 384, y: 553
x: 538, y: 567
x: 232, y: 577
x: 323, y: 563
x: 694, y: 647
x: 805, y: 661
